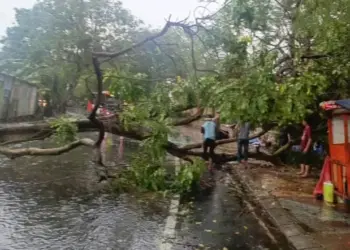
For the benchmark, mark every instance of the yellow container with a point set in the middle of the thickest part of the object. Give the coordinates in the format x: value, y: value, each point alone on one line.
x: 328, y: 192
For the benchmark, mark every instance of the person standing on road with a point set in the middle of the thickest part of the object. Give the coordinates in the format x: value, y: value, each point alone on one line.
x: 305, y: 147
x: 243, y: 141
x: 208, y: 129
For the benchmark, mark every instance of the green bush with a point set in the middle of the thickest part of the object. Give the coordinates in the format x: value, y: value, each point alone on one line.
x: 188, y: 177
x: 147, y: 175
x: 65, y: 130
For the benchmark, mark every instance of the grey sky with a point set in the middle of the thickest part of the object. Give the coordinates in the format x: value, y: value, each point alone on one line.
x: 153, y: 12
x: 7, y: 12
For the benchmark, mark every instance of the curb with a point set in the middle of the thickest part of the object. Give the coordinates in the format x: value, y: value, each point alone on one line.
x: 286, y: 223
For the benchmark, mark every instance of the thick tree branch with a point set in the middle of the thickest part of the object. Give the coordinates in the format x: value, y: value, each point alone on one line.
x: 14, y: 153
x: 222, y: 158
x: 137, y: 133
x: 182, y: 108
x: 315, y: 57
x: 139, y: 79
x: 231, y: 140
x: 190, y: 119
x: 92, y: 116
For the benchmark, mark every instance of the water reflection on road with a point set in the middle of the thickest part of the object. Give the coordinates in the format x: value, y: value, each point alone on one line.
x: 54, y: 203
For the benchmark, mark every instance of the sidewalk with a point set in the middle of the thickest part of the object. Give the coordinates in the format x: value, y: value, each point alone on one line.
x: 288, y: 199
x: 307, y: 223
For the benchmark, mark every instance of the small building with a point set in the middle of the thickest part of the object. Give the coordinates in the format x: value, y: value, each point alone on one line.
x: 18, y: 98
x: 339, y: 145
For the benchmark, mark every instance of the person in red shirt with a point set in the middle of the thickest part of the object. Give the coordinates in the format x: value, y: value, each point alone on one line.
x: 305, y: 147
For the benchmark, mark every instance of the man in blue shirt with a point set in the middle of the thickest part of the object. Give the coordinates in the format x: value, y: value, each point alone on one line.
x: 209, y: 131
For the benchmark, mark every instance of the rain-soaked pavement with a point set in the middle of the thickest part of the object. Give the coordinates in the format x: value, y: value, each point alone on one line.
x: 223, y: 219
x: 56, y: 203
x: 328, y: 224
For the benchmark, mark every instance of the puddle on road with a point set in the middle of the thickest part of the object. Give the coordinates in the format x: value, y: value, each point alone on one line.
x: 56, y: 203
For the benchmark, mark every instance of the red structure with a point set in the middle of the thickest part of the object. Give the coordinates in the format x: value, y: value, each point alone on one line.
x: 339, y: 145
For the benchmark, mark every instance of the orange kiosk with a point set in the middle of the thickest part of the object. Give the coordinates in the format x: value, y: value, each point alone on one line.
x: 339, y: 146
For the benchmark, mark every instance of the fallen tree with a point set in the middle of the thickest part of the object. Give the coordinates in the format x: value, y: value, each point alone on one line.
x: 111, y: 125
x: 115, y: 123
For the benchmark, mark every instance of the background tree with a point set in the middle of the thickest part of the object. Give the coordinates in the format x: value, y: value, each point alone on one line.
x: 52, y: 42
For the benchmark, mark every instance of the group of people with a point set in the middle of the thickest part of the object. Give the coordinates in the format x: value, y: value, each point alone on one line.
x: 212, y: 132
x: 305, y: 147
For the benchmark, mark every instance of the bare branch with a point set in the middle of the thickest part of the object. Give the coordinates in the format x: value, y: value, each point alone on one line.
x: 165, y: 29
x: 14, y: 153
x: 165, y: 53
x: 193, y: 56
x: 315, y: 57
x: 210, y: 16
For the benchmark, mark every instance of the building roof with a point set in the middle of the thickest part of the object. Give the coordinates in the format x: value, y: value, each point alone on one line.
x: 20, y: 80
x: 338, y: 104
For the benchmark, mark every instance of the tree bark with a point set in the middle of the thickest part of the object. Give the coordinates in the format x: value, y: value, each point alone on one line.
x: 92, y: 117
x: 14, y: 153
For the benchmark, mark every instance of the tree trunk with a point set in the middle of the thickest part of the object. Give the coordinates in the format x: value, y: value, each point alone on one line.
x: 20, y: 132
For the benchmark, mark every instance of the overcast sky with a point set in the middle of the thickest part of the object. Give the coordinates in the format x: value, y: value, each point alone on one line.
x: 152, y: 12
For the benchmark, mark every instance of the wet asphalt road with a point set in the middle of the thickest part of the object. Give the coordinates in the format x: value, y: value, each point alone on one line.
x: 220, y: 219
x: 54, y: 203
